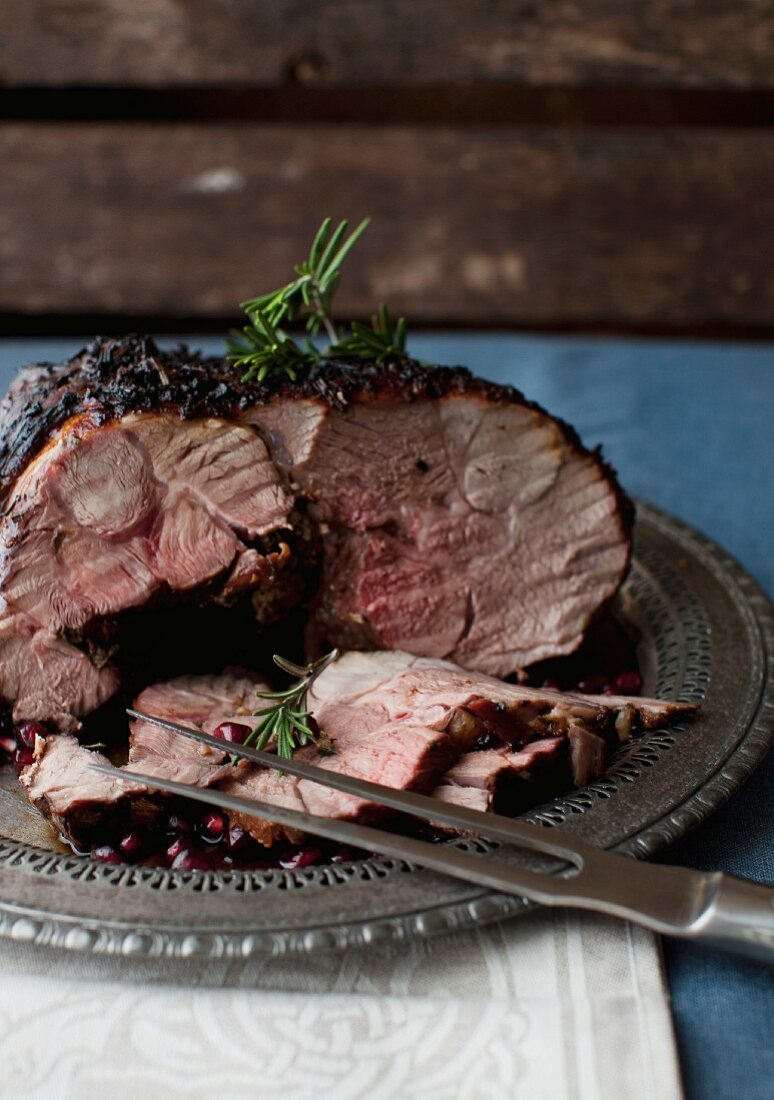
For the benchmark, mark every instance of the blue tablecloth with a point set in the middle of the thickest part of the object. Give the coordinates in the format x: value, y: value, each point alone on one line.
x: 690, y: 427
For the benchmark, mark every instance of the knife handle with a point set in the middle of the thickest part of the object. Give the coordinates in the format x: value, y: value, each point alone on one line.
x: 739, y: 918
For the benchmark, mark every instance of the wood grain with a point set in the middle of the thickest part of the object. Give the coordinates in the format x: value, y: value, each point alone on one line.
x: 512, y: 226
x: 227, y: 43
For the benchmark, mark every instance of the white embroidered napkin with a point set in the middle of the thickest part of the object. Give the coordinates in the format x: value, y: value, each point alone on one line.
x: 547, y: 1007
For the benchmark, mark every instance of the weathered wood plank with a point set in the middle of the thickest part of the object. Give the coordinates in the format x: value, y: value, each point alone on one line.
x: 508, y: 226
x: 217, y: 43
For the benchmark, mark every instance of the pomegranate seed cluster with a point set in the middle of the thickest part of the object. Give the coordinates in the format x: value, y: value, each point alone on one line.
x: 186, y: 840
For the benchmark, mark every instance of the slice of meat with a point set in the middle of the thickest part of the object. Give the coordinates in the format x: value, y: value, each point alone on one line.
x: 74, y: 798
x: 382, y: 737
x: 475, y: 779
x: 402, y: 683
x: 399, y: 753
x: 202, y: 702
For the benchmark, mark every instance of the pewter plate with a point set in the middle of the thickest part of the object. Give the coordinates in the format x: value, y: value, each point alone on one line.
x: 705, y: 633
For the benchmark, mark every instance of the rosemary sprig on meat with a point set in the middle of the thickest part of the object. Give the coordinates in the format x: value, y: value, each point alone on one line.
x: 264, y: 345
x: 381, y: 341
x: 287, y: 720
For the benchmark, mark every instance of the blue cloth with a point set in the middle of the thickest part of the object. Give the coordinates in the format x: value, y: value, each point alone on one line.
x: 690, y: 427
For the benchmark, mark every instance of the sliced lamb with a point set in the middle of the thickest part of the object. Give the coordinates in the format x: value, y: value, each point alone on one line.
x: 62, y: 786
x: 476, y: 778
x: 78, y: 800
x: 371, y: 739
x: 424, y: 686
x: 403, y: 721
x: 100, y: 522
x: 203, y: 702
x: 449, y: 516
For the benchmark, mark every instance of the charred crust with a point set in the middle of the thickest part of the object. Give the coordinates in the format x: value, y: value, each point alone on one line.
x: 111, y: 378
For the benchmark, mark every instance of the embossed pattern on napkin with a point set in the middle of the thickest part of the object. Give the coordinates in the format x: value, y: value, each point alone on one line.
x: 552, y: 1005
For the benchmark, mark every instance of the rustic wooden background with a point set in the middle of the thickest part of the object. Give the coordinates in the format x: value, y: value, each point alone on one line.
x: 575, y: 164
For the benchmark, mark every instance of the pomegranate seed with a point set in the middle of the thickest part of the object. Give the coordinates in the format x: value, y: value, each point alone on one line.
x: 232, y: 731
x: 629, y: 683
x: 552, y: 685
x: 344, y: 855
x: 189, y: 860
x: 177, y: 824
x: 303, y: 857
x: 176, y: 847
x: 131, y: 842
x: 7, y: 745
x: 105, y: 854
x: 21, y: 757
x: 28, y: 731
x: 213, y: 826
x: 592, y: 685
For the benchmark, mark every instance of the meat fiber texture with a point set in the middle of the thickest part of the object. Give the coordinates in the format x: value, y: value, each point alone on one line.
x: 60, y: 781
x: 202, y: 702
x: 408, y: 723
x: 451, y: 517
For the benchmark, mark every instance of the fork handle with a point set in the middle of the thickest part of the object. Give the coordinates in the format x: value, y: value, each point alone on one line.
x: 739, y: 918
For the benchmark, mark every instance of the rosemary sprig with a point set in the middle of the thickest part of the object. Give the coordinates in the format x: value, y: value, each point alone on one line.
x: 263, y: 345
x: 381, y: 341
x: 287, y: 719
